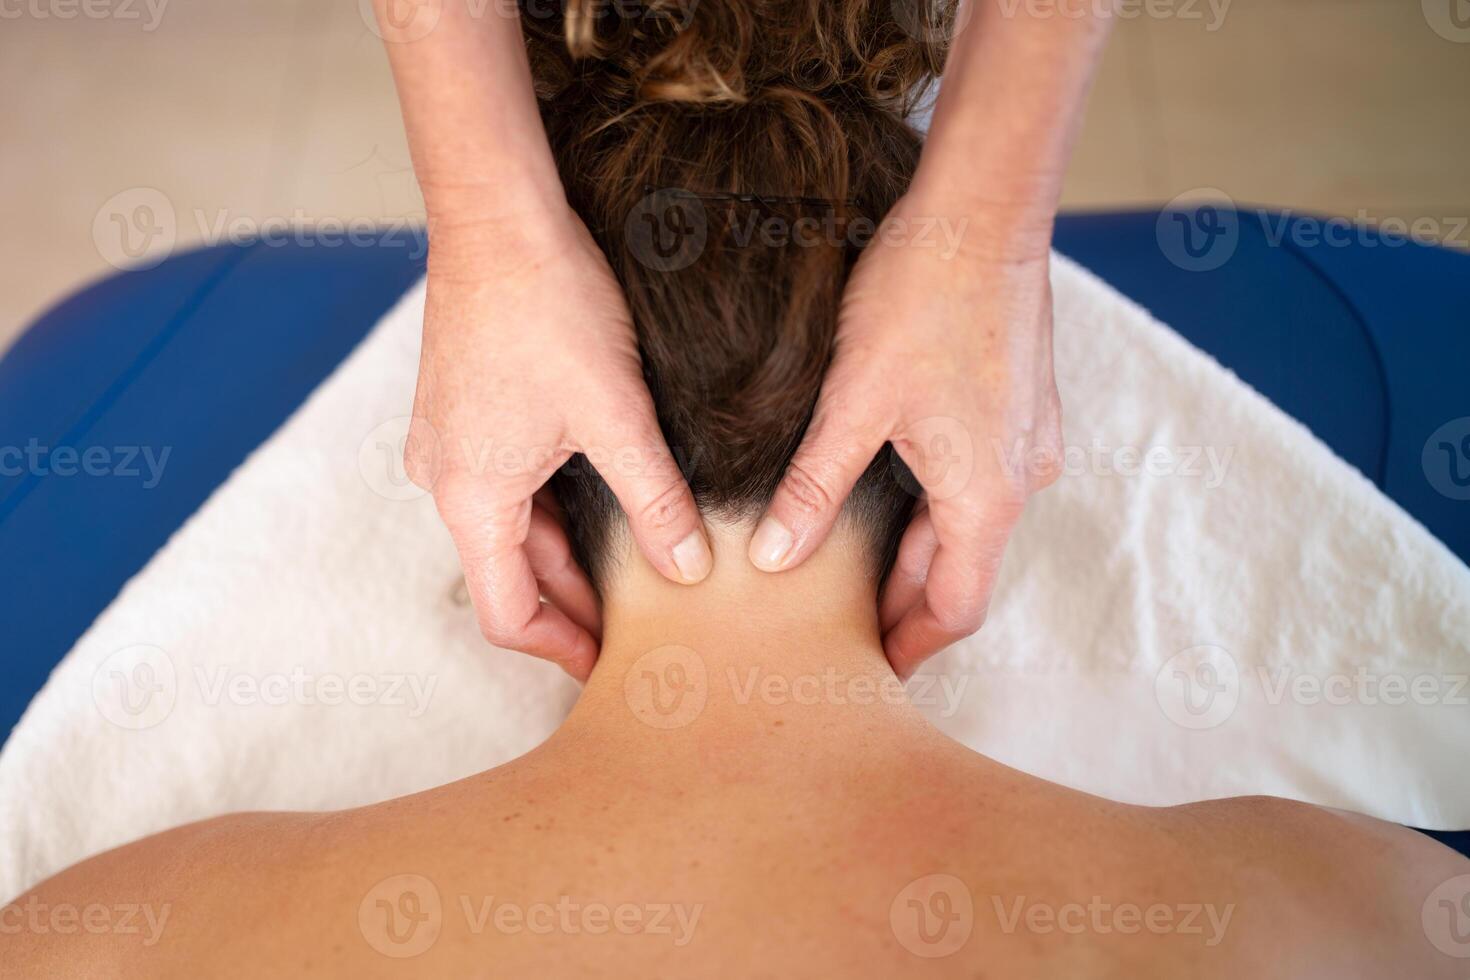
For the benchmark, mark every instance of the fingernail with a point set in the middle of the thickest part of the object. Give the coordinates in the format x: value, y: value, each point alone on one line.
x: 770, y: 546
x: 692, y: 558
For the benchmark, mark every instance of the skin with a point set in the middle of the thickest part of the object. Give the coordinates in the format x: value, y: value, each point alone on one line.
x: 950, y: 355
x: 520, y: 304
x: 773, y: 831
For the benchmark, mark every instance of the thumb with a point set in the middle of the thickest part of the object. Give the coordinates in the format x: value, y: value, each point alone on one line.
x: 634, y: 460
x: 839, y: 445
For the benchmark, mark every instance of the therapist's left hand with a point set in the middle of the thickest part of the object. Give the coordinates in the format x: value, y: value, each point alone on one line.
x: 944, y: 350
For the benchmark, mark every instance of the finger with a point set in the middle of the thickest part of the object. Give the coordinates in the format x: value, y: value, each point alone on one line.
x: 536, y: 627
x: 561, y: 579
x: 972, y: 535
x: 905, y: 586
x: 490, y: 535
x: 840, y: 443
x: 635, y: 462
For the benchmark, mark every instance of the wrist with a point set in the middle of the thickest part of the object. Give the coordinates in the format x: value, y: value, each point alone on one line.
x: 454, y: 201
x: 987, y: 229
x: 472, y: 243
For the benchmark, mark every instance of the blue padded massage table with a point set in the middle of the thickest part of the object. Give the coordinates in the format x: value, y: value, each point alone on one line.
x: 1364, y: 338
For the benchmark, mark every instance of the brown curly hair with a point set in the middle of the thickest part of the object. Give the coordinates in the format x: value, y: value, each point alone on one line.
x: 731, y: 157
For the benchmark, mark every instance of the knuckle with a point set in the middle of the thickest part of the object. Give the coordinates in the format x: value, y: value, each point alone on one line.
x: 959, y: 607
x: 1009, y: 502
x: 418, y: 466
x: 1047, y: 438
x: 804, y: 492
x: 666, y: 511
x: 1046, y: 475
x: 481, y: 528
x: 496, y: 627
x: 960, y: 618
x: 497, y: 632
x: 1049, y: 458
x: 422, y: 458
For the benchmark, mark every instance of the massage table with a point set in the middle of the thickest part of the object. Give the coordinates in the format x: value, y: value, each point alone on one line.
x: 172, y: 375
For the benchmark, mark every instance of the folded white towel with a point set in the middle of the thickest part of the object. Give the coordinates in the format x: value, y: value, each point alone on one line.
x: 1209, y: 603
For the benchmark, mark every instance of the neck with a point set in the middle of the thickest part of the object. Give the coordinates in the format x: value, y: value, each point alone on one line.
x: 742, y: 655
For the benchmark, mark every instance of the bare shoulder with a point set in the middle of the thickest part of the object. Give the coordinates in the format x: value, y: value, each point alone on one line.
x: 246, y: 895
x: 148, y: 908
x: 1343, y: 888
x: 1326, y: 838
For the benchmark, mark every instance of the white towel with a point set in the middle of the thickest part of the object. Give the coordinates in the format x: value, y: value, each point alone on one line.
x: 1157, y: 636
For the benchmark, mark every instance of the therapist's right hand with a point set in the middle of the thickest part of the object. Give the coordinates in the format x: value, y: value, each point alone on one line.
x: 529, y: 356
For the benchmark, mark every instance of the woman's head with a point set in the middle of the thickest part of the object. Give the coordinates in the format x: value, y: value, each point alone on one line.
x: 731, y: 157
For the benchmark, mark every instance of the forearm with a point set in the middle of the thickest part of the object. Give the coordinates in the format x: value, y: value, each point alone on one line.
x: 479, y: 149
x: 1008, y: 111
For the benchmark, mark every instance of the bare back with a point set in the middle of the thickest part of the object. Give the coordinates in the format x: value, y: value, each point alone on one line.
x: 882, y: 851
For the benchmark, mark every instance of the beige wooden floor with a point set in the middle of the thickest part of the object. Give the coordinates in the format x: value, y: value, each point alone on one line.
x: 236, y: 112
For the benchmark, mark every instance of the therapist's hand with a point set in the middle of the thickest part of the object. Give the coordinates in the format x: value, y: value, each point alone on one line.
x: 529, y: 356
x: 945, y: 351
